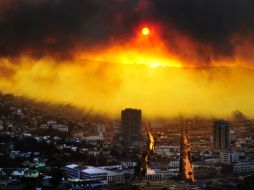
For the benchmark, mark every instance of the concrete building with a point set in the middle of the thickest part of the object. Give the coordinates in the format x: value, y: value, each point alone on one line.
x: 243, y: 167
x: 115, y: 177
x: 93, y: 138
x: 128, y: 164
x: 157, y: 175
x: 166, y: 150
x: 131, y: 123
x: 90, y: 172
x: 221, y: 135
x: 107, y: 174
x: 174, y: 163
x: 72, y: 171
x: 230, y: 157
x: 115, y: 174
x: 61, y: 127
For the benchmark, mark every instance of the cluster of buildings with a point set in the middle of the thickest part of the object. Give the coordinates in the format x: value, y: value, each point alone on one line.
x: 125, y: 151
x: 240, y: 160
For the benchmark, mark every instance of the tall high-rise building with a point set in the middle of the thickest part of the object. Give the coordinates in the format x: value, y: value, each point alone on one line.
x: 221, y: 134
x: 131, y: 123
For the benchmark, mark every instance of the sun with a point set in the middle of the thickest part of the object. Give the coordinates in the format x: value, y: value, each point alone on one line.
x: 145, y: 31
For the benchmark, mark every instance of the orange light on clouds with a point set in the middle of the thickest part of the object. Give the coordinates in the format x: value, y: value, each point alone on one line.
x: 141, y: 72
x: 145, y: 31
x: 141, y: 48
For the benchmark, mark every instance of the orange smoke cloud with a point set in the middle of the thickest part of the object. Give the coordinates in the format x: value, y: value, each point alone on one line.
x: 141, y: 49
x: 141, y: 72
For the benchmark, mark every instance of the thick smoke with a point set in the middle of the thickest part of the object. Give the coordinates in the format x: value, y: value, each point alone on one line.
x: 209, y: 22
x: 58, y: 27
x: 90, y: 53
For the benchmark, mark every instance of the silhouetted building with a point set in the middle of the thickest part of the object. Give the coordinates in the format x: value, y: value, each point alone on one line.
x: 221, y: 135
x: 131, y: 123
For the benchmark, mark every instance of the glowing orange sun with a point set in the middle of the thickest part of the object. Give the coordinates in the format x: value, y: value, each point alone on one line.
x: 145, y: 31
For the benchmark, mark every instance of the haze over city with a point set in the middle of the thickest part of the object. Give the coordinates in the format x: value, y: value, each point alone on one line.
x: 126, y: 94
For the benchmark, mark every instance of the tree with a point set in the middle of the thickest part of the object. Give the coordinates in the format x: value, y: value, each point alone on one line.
x: 101, y: 160
x: 57, y: 176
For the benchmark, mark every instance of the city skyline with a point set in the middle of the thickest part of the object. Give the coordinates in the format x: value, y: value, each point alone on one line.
x: 110, y: 154
x: 127, y: 94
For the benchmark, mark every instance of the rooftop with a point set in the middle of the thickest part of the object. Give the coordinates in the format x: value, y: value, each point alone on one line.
x: 93, y: 170
x: 72, y: 166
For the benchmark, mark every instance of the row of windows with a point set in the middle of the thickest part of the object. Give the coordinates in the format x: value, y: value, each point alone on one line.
x: 72, y: 175
x: 153, y: 177
x: 243, y: 169
x: 115, y: 178
x: 100, y: 174
x: 85, y: 174
x: 89, y: 177
x: 71, y: 169
x: 72, y: 172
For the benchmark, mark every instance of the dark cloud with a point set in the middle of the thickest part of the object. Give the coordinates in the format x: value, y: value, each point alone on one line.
x: 57, y: 27
x: 53, y: 26
x: 210, y: 22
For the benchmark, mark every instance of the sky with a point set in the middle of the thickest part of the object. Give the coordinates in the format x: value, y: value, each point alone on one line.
x: 196, y: 60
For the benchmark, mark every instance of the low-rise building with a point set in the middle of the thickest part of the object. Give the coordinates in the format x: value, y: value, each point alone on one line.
x: 156, y: 175
x: 107, y: 174
x: 243, y: 167
x: 19, y: 172
x: 72, y: 171
x: 90, y: 172
x: 166, y: 150
x: 128, y: 164
x: 60, y: 127
x: 115, y: 174
x: 174, y: 163
x: 230, y: 157
x: 93, y: 138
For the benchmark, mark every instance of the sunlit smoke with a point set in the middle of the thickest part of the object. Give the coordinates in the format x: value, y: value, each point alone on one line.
x: 108, y: 87
x: 179, y: 67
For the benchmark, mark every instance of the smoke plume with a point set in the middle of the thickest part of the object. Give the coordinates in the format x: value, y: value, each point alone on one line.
x: 90, y: 53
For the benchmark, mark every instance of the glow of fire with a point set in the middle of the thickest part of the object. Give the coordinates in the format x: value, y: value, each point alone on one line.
x: 188, y: 172
x: 139, y: 72
x: 151, y: 138
x: 150, y: 51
